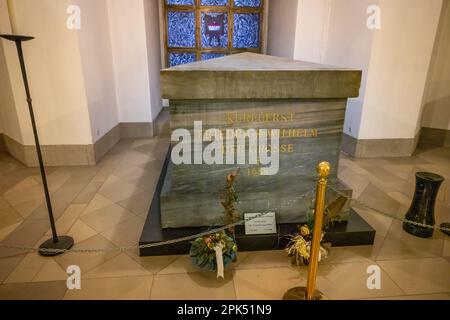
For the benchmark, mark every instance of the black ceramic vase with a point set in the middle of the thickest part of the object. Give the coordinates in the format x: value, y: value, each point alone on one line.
x: 422, y: 206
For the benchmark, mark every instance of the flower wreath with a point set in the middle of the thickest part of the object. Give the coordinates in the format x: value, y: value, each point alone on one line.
x: 213, y: 252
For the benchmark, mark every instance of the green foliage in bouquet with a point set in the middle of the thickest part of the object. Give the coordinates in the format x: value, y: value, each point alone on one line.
x: 203, y: 254
x: 202, y: 251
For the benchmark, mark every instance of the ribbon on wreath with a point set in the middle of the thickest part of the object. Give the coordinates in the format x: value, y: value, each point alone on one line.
x: 219, y: 260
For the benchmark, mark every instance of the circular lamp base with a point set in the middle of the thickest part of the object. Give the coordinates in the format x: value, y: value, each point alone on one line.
x: 64, y: 243
x: 299, y: 293
x: 447, y: 226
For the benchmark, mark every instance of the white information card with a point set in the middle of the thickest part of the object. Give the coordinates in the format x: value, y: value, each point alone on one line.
x: 265, y: 224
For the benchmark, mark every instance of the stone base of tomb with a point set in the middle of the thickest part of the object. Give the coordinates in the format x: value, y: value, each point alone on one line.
x: 353, y: 232
x: 290, y: 198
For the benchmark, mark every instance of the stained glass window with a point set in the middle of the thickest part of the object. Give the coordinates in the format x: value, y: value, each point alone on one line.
x: 180, y: 2
x: 247, y: 3
x: 214, y: 2
x: 214, y: 30
x: 212, y: 55
x: 206, y: 29
x: 246, y: 30
x: 177, y: 58
x: 181, y: 29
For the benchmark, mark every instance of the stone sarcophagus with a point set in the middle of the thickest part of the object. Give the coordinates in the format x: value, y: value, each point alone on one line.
x: 275, y: 119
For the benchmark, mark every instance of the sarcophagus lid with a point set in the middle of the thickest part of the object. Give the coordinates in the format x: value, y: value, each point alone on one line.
x: 256, y: 76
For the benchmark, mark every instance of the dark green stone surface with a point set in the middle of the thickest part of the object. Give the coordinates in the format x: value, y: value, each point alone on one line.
x: 305, y: 101
x: 192, y: 193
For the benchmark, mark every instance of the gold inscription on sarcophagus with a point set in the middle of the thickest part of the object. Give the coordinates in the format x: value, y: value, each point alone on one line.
x: 247, y: 117
x: 298, y: 133
x: 284, y: 133
x: 267, y: 118
x: 283, y: 148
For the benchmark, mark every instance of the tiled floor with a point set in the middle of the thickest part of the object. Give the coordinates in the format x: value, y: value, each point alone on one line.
x: 105, y: 207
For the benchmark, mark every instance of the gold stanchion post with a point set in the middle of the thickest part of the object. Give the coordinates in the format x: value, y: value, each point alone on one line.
x: 310, y: 292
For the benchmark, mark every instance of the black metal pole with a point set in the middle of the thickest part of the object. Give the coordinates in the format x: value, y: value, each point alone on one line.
x: 58, y: 243
x: 36, y: 139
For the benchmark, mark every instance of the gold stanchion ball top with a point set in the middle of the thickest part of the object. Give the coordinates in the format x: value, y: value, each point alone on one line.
x: 323, y: 169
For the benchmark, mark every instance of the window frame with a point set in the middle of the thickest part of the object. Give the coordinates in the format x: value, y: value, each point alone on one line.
x: 197, y: 8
